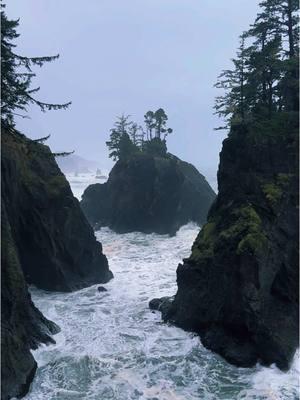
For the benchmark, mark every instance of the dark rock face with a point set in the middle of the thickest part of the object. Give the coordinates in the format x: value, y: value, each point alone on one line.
x: 46, y: 241
x: 23, y: 327
x: 161, y: 304
x: 149, y: 194
x: 56, y: 245
x: 239, y: 288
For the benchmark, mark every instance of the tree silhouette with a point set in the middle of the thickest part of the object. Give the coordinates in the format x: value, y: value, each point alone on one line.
x: 120, y: 144
x: 127, y: 137
x: 17, y: 74
x: 265, y: 77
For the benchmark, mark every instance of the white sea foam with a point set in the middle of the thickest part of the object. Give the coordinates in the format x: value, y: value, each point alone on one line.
x: 112, y: 346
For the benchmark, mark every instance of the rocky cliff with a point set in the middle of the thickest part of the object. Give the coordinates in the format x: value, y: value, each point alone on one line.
x: 23, y: 327
x: 239, y: 287
x: 149, y: 194
x: 46, y: 241
x: 56, y: 245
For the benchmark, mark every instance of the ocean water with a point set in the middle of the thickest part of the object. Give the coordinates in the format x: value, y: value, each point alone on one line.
x: 79, y: 182
x: 111, y: 346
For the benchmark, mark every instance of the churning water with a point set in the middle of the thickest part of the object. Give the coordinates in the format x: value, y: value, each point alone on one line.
x: 111, y: 346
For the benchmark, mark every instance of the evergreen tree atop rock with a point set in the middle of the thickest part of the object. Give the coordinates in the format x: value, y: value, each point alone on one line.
x: 127, y: 137
x: 264, y: 80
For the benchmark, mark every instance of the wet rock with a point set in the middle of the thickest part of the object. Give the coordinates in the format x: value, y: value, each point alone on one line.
x: 162, y: 304
x: 46, y: 241
x: 101, y: 289
x: 149, y: 194
x: 23, y: 327
x: 239, y: 289
x: 55, y: 243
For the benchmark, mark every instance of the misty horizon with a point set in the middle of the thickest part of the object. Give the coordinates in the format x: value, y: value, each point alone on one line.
x: 127, y: 57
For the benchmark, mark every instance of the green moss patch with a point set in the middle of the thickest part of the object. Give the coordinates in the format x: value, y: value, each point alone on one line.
x: 246, y: 231
x: 245, y: 234
x: 203, y: 247
x: 273, y: 191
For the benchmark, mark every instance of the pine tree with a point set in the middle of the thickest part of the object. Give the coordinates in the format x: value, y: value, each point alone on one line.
x: 126, y: 147
x: 232, y: 105
x: 290, y: 82
x: 17, y: 74
x: 264, y: 80
x: 127, y: 137
x: 156, y: 121
x: 277, y: 23
x: 161, y: 118
x: 136, y: 134
x: 120, y: 144
x: 149, y: 120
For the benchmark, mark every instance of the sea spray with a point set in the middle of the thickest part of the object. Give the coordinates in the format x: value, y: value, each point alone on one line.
x: 113, y: 347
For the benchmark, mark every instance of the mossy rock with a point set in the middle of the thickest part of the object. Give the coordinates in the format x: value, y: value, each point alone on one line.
x: 253, y: 243
x: 243, y: 298
x: 274, y: 191
x: 203, y: 247
x: 247, y: 230
x: 245, y: 234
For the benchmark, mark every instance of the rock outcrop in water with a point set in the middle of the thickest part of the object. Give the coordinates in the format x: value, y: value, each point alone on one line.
x: 148, y: 193
x: 46, y: 241
x: 239, y: 288
x: 55, y: 243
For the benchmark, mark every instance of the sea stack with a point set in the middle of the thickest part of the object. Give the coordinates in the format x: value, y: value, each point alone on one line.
x: 149, y: 193
x: 239, y: 289
x: 56, y: 245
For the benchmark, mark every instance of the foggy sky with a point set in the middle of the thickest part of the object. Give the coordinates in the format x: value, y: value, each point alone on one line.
x: 130, y: 56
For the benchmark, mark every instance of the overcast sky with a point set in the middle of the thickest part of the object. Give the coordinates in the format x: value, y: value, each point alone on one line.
x: 130, y: 56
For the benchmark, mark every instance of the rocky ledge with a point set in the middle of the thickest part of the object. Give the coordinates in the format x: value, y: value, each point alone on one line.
x: 239, y: 289
x: 148, y: 193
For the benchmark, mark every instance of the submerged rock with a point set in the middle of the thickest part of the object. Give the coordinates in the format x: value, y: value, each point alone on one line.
x: 101, y: 289
x: 149, y: 194
x: 239, y: 289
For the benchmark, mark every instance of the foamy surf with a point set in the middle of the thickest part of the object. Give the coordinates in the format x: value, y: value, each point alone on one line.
x: 113, y: 347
